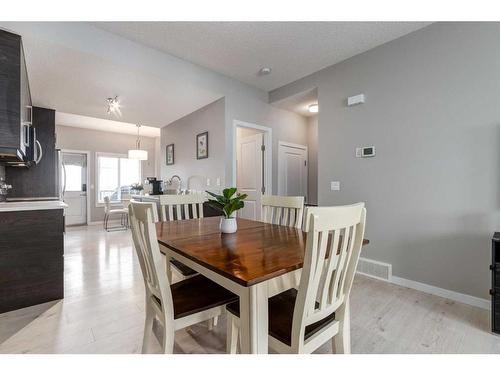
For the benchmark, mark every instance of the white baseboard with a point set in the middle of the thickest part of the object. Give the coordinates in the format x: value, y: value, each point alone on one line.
x: 434, y: 290
x: 445, y: 293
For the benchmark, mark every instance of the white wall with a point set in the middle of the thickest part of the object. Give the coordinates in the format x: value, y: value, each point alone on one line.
x: 312, y: 150
x: 432, y: 111
x: 71, y: 138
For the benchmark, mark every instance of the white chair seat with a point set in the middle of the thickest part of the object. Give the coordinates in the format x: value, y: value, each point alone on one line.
x: 108, y: 211
x: 121, y: 211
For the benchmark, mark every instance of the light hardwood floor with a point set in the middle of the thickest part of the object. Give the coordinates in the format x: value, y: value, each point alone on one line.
x: 103, y: 312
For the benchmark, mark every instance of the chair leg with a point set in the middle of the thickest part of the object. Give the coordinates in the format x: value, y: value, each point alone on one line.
x: 148, y: 327
x: 168, y: 341
x: 232, y: 334
x: 341, y: 342
x: 212, y: 323
x: 104, y: 222
x: 106, y: 219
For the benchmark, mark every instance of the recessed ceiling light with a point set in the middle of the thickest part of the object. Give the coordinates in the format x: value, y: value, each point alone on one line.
x: 264, y: 71
x: 313, y: 108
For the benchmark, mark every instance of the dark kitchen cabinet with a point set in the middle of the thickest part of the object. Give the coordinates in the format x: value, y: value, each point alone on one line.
x: 39, y: 181
x: 31, y: 258
x: 15, y: 100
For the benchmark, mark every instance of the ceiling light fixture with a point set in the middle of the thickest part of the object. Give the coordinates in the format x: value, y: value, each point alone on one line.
x: 264, y: 71
x: 113, y: 106
x: 313, y: 108
x: 137, y: 153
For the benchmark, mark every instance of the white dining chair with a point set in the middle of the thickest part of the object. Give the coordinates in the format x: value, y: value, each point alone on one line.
x: 300, y: 321
x: 109, y: 212
x: 181, y: 207
x: 178, y: 305
x: 282, y: 210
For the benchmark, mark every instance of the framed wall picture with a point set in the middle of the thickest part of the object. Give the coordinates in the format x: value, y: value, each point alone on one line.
x: 202, y: 146
x: 170, y: 154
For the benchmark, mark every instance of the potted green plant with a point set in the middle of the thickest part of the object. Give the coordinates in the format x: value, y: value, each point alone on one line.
x: 136, y: 188
x: 228, y: 203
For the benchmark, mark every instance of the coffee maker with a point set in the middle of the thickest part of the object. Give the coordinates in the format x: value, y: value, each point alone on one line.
x: 157, y: 188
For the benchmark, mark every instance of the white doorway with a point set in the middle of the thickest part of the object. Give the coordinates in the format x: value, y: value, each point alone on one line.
x: 74, y: 182
x: 252, y: 166
x: 292, y: 169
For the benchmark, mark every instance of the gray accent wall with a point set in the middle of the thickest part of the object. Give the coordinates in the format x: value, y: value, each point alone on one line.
x: 182, y: 133
x: 433, y: 113
x: 80, y: 139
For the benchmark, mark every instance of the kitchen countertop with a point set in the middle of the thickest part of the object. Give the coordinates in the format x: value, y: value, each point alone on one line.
x: 32, y: 205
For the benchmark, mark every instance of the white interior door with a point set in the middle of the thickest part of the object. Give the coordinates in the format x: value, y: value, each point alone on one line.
x: 292, y: 170
x: 74, y: 184
x: 249, y: 172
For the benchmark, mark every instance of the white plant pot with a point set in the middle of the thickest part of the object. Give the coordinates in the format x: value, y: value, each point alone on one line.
x: 228, y: 225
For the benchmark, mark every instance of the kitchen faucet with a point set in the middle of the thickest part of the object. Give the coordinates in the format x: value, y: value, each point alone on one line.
x: 170, y: 181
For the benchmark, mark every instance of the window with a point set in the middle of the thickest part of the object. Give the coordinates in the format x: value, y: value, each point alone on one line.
x: 115, y: 174
x: 73, y: 177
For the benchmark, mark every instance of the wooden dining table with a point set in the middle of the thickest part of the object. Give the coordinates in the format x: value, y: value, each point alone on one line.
x: 256, y: 262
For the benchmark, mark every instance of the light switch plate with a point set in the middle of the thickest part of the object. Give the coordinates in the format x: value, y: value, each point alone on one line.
x: 335, y: 185
x: 208, y: 182
x: 218, y: 181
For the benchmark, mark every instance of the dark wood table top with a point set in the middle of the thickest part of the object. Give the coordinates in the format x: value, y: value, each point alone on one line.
x: 255, y: 253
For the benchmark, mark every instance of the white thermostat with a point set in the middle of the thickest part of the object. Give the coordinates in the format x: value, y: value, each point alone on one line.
x: 365, y: 152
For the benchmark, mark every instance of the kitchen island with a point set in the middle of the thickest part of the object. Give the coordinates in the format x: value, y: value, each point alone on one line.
x: 31, y: 253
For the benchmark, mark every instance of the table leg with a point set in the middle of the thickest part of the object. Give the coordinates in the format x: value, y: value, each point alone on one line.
x: 254, y: 319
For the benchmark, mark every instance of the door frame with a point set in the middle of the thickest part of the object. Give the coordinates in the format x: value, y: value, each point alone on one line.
x: 268, y: 161
x: 280, y: 166
x: 88, y: 153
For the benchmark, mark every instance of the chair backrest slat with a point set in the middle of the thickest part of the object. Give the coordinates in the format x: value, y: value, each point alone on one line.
x: 282, y: 210
x: 334, y: 240
x: 183, y: 206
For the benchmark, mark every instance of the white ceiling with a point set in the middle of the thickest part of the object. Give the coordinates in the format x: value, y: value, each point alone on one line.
x: 77, y: 121
x: 300, y: 102
x: 239, y: 49
x: 73, y: 67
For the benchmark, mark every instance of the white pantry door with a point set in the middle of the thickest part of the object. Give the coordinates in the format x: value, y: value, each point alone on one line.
x: 292, y: 170
x: 249, y: 172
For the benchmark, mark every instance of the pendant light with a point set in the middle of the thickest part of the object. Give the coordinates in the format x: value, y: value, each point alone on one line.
x: 137, y: 153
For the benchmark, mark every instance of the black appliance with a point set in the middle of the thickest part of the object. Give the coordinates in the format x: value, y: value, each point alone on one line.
x: 157, y: 187
x: 495, y: 283
x: 41, y: 180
